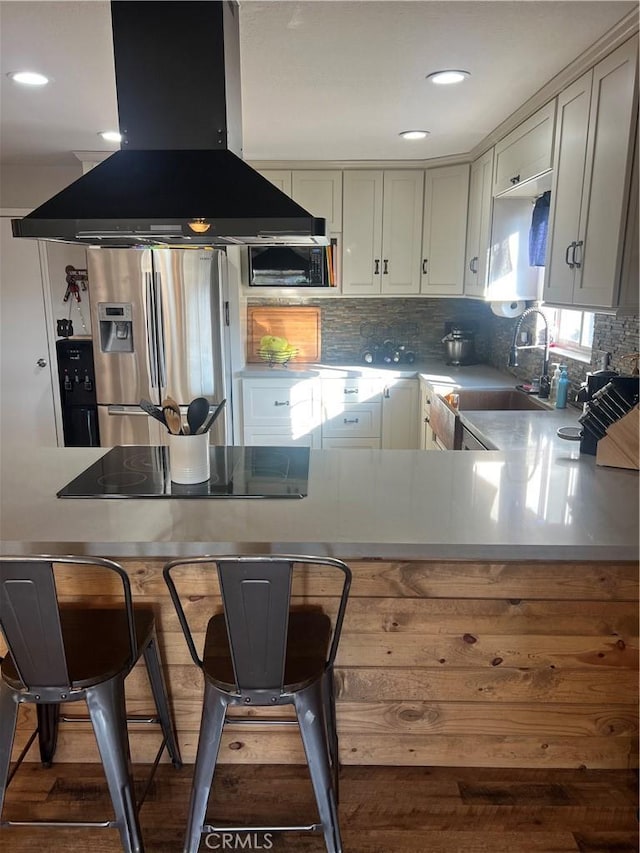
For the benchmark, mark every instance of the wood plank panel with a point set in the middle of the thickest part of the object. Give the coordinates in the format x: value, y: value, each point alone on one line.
x: 442, y: 718
x: 430, y: 615
x: 536, y: 581
x: 285, y: 747
x: 469, y: 656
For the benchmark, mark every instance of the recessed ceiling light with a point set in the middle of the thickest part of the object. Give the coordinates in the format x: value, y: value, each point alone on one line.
x: 111, y: 136
x: 414, y: 134
x: 447, y: 77
x: 28, y: 78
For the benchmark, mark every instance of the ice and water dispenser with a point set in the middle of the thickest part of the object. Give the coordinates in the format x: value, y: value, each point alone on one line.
x: 115, y: 320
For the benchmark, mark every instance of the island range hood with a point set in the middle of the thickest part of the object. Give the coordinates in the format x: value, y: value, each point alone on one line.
x: 179, y: 179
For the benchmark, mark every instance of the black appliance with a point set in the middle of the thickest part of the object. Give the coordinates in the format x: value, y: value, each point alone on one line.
x: 606, y: 397
x: 288, y: 266
x: 78, y: 392
x: 179, y: 178
x: 134, y: 471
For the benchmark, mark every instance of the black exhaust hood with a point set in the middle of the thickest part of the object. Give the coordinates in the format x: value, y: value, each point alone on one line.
x: 179, y: 179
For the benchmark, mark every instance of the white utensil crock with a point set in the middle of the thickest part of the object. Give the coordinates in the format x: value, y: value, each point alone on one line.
x: 189, y: 458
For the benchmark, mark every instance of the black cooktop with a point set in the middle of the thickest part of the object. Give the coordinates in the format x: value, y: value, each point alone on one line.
x: 236, y: 472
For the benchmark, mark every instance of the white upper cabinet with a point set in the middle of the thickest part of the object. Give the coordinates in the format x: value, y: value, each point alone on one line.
x: 526, y: 152
x: 446, y: 197
x: 319, y: 191
x: 479, y: 226
x: 280, y: 178
x: 382, y: 232
x: 597, y: 117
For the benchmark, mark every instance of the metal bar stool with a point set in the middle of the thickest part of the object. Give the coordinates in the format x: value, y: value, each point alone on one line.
x: 64, y: 654
x: 261, y: 652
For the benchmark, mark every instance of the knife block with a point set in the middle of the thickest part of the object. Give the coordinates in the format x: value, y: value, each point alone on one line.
x: 619, y: 448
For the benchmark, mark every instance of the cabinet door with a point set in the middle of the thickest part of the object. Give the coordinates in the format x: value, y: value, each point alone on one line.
x: 400, y: 415
x: 425, y: 432
x: 279, y: 178
x: 607, y: 176
x: 526, y: 152
x: 402, y: 231
x: 320, y: 192
x: 479, y: 225
x: 446, y: 196
x: 566, y: 188
x: 362, y: 232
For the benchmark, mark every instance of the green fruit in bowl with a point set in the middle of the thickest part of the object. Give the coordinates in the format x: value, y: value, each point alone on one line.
x: 279, y: 344
x: 266, y: 342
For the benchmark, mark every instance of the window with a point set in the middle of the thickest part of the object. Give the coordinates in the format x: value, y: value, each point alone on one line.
x: 571, y: 330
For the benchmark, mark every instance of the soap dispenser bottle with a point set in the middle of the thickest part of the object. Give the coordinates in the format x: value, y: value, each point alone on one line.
x: 555, y: 376
x: 563, y: 388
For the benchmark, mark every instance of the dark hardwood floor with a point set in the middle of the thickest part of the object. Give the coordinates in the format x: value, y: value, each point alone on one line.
x: 382, y: 809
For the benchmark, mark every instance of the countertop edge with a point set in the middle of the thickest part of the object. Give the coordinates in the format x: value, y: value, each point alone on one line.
x: 341, y: 550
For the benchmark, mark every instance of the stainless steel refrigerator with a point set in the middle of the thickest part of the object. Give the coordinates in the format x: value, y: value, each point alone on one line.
x: 160, y: 327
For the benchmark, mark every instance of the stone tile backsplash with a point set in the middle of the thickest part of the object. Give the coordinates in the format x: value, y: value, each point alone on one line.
x: 347, y: 325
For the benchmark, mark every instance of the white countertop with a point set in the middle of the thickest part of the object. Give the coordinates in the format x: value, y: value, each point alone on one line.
x: 434, y: 371
x: 394, y: 504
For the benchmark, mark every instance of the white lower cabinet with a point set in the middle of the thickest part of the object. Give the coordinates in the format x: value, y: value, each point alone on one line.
x: 348, y: 412
x: 351, y: 413
x: 425, y: 432
x: 400, y: 415
x: 281, y: 411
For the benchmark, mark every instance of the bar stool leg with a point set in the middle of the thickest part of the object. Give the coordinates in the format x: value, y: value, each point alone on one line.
x: 108, y: 716
x: 310, y: 712
x: 159, y: 689
x: 48, y: 718
x: 329, y: 702
x: 8, y: 717
x: 214, y: 709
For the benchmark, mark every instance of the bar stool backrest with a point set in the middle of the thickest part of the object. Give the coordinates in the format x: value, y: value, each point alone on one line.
x: 255, y: 598
x: 30, y: 622
x: 30, y: 617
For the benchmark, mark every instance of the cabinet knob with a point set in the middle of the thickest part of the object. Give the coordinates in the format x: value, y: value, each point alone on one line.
x: 280, y: 402
x: 385, y: 266
x: 425, y: 263
x: 41, y: 362
x: 473, y: 264
x: 570, y: 263
x: 351, y: 420
x: 515, y: 179
x: 350, y: 390
x: 376, y: 266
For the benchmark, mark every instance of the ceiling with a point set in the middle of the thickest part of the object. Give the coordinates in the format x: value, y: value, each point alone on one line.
x: 321, y: 79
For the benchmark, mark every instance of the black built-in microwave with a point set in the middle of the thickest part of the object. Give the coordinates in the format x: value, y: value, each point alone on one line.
x: 291, y: 266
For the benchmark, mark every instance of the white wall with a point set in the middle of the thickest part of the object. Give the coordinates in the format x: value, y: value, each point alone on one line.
x: 30, y: 186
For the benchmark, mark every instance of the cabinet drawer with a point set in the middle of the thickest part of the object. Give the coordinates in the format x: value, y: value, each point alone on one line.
x: 268, y: 402
x: 336, y: 392
x: 265, y: 437
x: 351, y: 443
x: 353, y: 419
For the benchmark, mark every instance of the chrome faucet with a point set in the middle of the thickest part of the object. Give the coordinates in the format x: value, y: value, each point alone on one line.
x: 513, y: 352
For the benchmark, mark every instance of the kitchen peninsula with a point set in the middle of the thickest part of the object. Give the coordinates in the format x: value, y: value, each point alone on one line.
x: 493, y: 616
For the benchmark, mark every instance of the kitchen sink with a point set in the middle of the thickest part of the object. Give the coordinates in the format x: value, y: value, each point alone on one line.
x: 499, y: 399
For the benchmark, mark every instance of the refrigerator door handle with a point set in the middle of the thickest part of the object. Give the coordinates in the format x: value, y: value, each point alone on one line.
x: 126, y: 410
x: 152, y: 345
x: 162, y: 349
